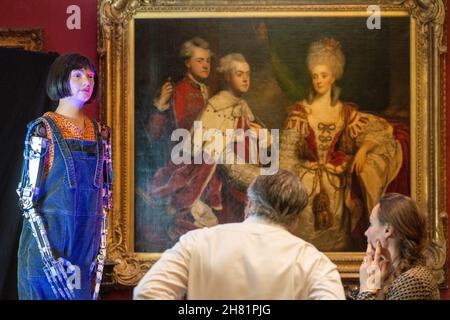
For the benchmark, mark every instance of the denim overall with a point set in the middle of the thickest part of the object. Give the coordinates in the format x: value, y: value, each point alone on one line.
x: 70, y: 205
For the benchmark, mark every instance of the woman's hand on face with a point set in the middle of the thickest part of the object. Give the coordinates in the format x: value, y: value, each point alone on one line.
x: 370, y: 272
x: 363, y: 269
x: 359, y: 161
x: 384, y: 261
x: 373, y: 270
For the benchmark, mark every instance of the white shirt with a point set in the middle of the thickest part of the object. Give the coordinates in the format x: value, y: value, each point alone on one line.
x: 250, y: 260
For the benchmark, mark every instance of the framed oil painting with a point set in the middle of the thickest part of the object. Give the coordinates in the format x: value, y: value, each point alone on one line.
x: 390, y: 73
x: 27, y: 39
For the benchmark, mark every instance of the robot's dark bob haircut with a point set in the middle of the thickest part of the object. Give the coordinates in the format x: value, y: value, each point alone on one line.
x: 58, y: 85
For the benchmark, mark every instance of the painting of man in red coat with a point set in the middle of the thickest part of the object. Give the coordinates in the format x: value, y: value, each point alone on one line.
x: 187, y: 98
x: 179, y: 106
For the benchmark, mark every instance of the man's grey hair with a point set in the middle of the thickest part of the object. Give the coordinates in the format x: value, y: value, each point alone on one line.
x: 279, y: 197
x: 226, y: 63
x: 187, y: 49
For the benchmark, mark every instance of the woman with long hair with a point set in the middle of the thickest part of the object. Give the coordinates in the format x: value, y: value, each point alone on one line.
x: 395, y: 266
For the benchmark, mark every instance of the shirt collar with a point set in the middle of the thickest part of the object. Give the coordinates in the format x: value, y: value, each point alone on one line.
x: 199, y: 85
x: 194, y: 82
x: 264, y: 221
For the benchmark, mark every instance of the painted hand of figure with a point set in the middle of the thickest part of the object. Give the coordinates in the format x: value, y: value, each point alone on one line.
x: 166, y: 93
x: 359, y: 161
x: 254, y: 126
x: 310, y: 165
x: 335, y: 169
x: 373, y: 270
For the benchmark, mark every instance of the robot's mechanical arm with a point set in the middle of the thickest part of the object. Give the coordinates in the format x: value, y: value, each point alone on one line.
x: 107, y: 205
x: 107, y: 169
x: 36, y: 147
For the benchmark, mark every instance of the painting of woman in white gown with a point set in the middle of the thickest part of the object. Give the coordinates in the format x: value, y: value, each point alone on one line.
x: 346, y: 158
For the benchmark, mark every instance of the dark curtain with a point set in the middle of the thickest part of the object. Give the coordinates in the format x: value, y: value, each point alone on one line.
x: 23, y: 98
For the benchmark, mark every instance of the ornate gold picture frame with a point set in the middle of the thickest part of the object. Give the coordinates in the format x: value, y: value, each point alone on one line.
x: 27, y: 39
x: 427, y: 46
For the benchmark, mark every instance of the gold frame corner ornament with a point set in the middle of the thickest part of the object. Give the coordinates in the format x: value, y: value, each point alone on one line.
x: 31, y: 39
x: 428, y: 48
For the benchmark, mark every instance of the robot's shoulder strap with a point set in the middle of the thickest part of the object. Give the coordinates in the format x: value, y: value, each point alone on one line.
x: 102, y: 129
x: 37, y: 128
x: 105, y: 132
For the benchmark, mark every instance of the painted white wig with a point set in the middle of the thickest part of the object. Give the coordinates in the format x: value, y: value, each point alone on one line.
x: 226, y: 63
x: 327, y: 51
x: 187, y: 49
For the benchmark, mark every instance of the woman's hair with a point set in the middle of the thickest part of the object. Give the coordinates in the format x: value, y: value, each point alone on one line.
x: 187, y: 48
x: 278, y: 198
x: 408, y: 223
x: 58, y: 85
x: 226, y: 63
x: 409, y: 228
x: 327, y: 51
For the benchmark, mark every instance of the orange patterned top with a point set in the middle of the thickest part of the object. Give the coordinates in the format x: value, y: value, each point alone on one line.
x: 69, y: 131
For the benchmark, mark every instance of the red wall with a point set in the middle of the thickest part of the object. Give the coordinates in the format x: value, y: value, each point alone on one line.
x: 51, y: 16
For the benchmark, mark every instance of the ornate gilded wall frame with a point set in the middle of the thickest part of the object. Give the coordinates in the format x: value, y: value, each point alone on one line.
x: 427, y: 89
x: 27, y: 39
